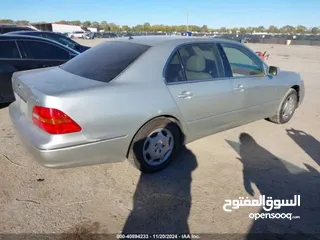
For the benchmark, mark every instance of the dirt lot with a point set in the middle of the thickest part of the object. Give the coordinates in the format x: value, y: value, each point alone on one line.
x: 274, y: 160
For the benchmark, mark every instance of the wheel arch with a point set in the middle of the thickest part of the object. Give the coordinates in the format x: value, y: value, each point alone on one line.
x: 174, y: 119
x: 297, y: 88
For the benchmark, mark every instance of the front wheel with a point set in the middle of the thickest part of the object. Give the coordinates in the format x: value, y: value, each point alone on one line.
x: 155, y: 145
x: 286, y: 108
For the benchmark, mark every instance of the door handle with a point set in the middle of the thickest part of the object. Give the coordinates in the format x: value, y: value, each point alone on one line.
x: 239, y: 88
x: 185, y: 95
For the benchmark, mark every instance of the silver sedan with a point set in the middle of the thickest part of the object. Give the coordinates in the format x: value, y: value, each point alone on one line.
x: 142, y: 98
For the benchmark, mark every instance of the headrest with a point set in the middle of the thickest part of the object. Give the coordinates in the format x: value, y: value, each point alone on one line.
x: 196, y: 63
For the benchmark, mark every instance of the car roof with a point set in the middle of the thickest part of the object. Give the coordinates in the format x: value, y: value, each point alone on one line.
x: 26, y: 32
x: 157, y: 40
x: 20, y: 37
x: 17, y: 36
x: 11, y: 25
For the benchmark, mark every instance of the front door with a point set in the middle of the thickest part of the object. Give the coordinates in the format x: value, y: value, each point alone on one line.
x: 196, y: 79
x: 249, y: 80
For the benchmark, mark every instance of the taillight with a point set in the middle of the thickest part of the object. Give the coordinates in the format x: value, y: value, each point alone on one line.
x: 53, y: 121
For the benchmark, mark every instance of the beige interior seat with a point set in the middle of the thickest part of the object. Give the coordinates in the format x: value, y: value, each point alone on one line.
x: 195, y: 68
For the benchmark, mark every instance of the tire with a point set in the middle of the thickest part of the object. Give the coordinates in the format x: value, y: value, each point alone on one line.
x: 147, y: 138
x: 280, y: 117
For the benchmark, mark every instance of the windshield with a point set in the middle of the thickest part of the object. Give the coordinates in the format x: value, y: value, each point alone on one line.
x: 105, y: 61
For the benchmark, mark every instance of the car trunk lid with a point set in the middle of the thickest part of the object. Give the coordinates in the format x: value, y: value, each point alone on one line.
x: 45, y: 87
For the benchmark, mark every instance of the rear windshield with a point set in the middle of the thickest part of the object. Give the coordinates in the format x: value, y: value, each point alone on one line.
x: 105, y: 61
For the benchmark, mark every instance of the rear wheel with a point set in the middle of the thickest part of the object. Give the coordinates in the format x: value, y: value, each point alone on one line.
x: 155, y: 145
x: 286, y: 108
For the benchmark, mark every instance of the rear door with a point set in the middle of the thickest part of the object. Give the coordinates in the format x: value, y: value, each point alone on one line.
x: 250, y: 82
x: 10, y: 62
x: 40, y: 54
x: 197, y: 82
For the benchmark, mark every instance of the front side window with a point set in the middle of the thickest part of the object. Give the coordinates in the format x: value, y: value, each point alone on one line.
x: 242, y: 63
x: 201, y: 61
x: 42, y: 50
x: 9, y: 49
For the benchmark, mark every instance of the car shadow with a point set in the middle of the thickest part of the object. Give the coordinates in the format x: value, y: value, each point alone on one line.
x: 307, y: 142
x: 162, y: 200
x: 280, y: 179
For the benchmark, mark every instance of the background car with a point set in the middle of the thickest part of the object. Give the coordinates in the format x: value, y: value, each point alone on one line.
x: 105, y: 35
x: 19, y: 53
x: 89, y: 35
x: 60, y: 38
x: 152, y: 96
x: 5, y: 28
x: 76, y: 34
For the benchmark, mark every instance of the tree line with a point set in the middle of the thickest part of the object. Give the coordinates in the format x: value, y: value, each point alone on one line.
x: 147, y: 27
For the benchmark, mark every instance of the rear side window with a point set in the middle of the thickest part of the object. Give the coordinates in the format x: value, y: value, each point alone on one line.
x: 201, y: 61
x: 174, y: 70
x: 105, y: 61
x: 42, y: 50
x: 9, y: 49
x: 61, y: 39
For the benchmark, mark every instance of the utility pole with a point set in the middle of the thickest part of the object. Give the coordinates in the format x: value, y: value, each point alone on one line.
x: 187, y: 20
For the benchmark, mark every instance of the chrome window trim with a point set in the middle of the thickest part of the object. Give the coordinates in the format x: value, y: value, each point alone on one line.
x: 18, y: 49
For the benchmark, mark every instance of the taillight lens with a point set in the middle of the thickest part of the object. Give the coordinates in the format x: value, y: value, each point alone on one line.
x: 53, y: 121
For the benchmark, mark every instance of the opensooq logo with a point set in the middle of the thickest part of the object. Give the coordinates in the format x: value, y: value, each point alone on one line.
x: 267, y: 203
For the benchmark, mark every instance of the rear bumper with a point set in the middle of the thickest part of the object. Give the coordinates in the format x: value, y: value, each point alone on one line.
x: 105, y: 151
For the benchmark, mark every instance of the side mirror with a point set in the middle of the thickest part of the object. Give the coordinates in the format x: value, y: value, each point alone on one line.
x: 273, y: 71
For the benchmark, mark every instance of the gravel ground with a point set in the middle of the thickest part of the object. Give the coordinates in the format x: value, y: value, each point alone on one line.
x: 274, y: 160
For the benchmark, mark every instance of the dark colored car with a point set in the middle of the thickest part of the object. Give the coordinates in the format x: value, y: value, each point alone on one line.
x: 5, y: 28
x: 60, y: 38
x: 19, y: 53
x: 105, y: 35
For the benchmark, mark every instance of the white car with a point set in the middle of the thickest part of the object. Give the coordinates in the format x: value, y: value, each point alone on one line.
x: 76, y: 34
